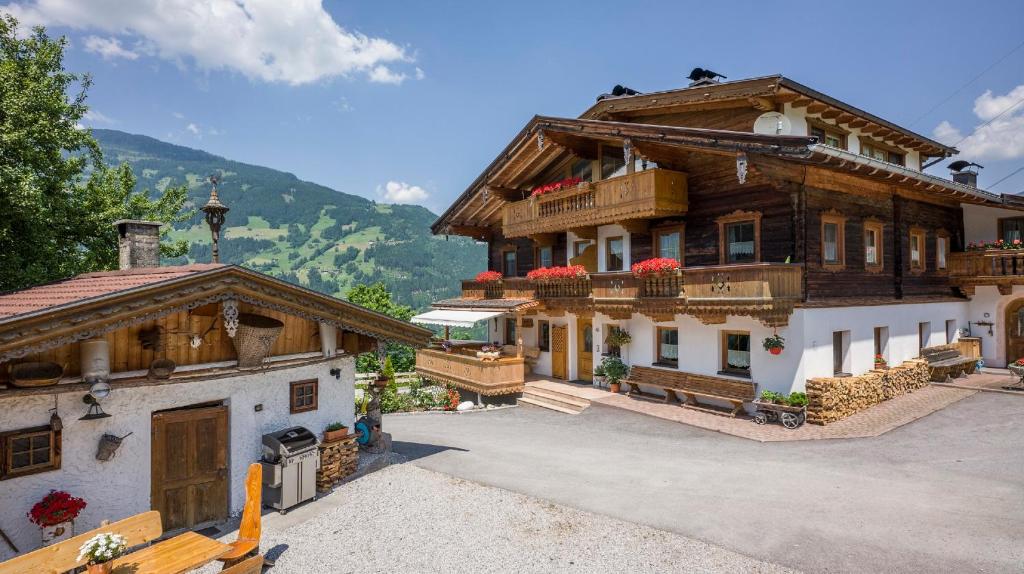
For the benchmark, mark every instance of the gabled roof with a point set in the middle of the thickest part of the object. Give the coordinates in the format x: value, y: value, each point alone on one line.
x: 89, y: 305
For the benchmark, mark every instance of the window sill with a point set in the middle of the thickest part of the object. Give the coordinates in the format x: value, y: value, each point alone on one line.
x: 665, y: 365
x: 738, y: 374
x: 873, y: 268
x: 841, y: 375
x: 833, y: 267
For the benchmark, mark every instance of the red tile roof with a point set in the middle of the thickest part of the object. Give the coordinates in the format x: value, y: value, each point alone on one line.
x: 91, y: 285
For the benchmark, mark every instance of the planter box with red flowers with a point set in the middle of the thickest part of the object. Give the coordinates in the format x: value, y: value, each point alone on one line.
x: 659, y: 266
x: 55, y: 515
x: 550, y: 274
x: 488, y: 277
x: 551, y: 187
x: 998, y: 244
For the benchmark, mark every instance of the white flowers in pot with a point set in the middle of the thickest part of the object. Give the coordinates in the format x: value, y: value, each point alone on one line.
x: 102, y: 548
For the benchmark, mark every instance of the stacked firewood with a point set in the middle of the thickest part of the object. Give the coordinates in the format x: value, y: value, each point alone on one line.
x: 338, y: 459
x: 833, y: 398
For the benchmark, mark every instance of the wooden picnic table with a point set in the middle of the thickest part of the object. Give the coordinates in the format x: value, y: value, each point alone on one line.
x: 177, y: 555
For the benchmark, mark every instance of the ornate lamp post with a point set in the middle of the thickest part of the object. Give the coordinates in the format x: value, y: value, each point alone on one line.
x: 215, y: 212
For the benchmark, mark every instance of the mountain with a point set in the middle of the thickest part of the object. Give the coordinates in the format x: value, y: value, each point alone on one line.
x: 300, y: 231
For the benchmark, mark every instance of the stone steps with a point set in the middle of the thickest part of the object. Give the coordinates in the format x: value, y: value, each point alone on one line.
x: 554, y: 400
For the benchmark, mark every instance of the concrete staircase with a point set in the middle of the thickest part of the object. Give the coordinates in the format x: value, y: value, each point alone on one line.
x: 553, y: 400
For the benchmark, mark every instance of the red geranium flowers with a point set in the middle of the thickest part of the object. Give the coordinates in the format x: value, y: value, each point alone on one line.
x: 55, y: 508
x: 551, y: 273
x: 656, y: 266
x: 549, y: 187
x: 488, y: 276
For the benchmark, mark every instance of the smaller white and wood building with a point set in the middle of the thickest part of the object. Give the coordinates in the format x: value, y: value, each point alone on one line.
x: 188, y: 438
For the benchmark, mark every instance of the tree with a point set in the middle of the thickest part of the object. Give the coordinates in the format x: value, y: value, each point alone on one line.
x: 376, y: 297
x: 57, y: 197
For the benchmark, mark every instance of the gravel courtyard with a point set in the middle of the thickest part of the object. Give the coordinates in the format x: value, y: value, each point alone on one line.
x: 407, y: 519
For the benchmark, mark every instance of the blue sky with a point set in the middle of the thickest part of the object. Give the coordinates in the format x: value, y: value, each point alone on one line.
x: 423, y: 95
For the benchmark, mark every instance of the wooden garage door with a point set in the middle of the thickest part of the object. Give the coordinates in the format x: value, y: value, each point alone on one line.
x: 189, y: 470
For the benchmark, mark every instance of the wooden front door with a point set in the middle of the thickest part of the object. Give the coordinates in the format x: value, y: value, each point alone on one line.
x: 585, y: 350
x: 1014, y: 331
x: 190, y: 466
x: 559, y: 348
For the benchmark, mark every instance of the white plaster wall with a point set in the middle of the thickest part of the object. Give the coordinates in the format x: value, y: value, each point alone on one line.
x: 120, y: 487
x: 605, y: 231
x: 982, y: 223
x: 988, y: 305
x: 543, y: 365
x: 902, y: 321
x: 798, y: 119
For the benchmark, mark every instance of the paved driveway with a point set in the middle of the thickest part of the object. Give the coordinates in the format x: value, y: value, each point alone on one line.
x: 943, y: 494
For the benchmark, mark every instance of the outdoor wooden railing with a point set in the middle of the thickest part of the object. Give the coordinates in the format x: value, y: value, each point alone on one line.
x: 987, y: 263
x: 497, y: 377
x: 641, y: 195
x: 564, y: 289
x: 752, y: 283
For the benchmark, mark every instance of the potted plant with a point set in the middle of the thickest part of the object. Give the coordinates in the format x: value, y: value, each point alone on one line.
x: 55, y: 515
x: 488, y: 277
x: 618, y: 338
x: 599, y: 375
x: 880, y: 362
x: 548, y: 274
x: 1017, y: 368
x: 614, y: 371
x: 791, y: 411
x: 655, y: 267
x: 774, y: 344
x: 335, y: 432
x: 100, y: 550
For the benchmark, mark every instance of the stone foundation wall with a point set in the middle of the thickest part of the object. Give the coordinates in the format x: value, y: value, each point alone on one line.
x: 835, y: 398
x: 338, y: 459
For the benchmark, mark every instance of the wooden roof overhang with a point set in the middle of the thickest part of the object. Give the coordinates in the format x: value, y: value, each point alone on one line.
x: 61, y: 325
x: 544, y: 139
x: 765, y: 93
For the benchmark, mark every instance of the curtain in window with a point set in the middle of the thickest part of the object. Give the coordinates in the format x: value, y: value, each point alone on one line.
x: 870, y: 247
x: 831, y: 242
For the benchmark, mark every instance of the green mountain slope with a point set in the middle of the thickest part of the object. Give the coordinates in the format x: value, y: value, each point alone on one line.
x: 300, y: 231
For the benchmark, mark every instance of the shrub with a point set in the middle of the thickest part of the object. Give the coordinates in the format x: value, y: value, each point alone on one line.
x: 797, y: 399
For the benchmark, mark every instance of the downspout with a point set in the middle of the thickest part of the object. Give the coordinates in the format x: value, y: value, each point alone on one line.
x: 897, y: 242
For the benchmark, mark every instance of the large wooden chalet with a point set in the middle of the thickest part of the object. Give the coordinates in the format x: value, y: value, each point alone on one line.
x: 791, y: 213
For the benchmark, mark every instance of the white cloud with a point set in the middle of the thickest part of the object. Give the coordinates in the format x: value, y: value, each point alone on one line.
x: 420, y: 74
x: 193, y: 128
x: 108, y: 48
x: 178, y: 115
x: 98, y: 117
x: 288, y: 41
x: 1003, y: 138
x: 384, y: 75
x: 401, y: 192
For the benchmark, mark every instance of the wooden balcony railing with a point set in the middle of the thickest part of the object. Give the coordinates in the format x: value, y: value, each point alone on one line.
x: 465, y: 371
x: 641, y: 195
x: 1002, y: 268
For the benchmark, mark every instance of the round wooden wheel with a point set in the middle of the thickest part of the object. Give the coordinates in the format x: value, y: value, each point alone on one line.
x: 760, y: 418
x: 790, y: 420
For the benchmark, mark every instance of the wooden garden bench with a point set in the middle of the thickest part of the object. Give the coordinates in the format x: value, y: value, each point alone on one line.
x: 63, y: 556
x: 945, y: 362
x: 691, y: 386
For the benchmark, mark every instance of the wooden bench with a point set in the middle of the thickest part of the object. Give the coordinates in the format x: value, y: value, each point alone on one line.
x: 691, y: 386
x: 63, y: 556
x: 945, y: 362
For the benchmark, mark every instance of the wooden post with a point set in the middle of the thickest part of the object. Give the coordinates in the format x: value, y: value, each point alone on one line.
x: 519, y: 335
x: 446, y: 334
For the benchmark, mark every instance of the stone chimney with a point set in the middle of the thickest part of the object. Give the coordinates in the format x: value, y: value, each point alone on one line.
x: 138, y: 243
x: 965, y: 172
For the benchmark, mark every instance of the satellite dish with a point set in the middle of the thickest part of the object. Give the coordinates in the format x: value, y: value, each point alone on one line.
x: 773, y: 124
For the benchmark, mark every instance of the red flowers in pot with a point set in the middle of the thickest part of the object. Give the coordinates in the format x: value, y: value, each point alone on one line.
x: 549, y: 187
x: 656, y: 266
x: 55, y: 508
x: 488, y: 276
x: 554, y: 273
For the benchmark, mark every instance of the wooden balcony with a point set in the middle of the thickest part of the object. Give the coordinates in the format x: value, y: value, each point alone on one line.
x: 641, y: 195
x: 464, y: 370
x: 765, y: 291
x: 1002, y: 268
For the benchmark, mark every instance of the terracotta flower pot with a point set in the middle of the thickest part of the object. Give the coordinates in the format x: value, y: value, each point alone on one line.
x: 335, y: 435
x: 102, y: 568
x: 615, y: 387
x: 775, y: 350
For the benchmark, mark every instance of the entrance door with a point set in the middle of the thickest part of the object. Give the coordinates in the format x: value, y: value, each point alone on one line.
x: 585, y: 350
x: 1015, y: 331
x: 189, y: 466
x: 559, y: 346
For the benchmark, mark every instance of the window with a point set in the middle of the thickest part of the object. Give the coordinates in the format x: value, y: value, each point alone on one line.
x: 613, y: 162
x: 917, y: 249
x: 304, y: 396
x: 509, y: 263
x: 924, y: 335
x: 668, y: 346
x: 882, y: 343
x: 583, y: 169
x: 510, y: 331
x: 950, y: 331
x: 875, y: 151
x: 544, y: 335
x: 828, y: 135
x: 615, y: 350
x: 578, y: 247
x: 1011, y: 229
x: 544, y: 257
x: 841, y: 353
x: 736, y: 352
x: 941, y: 249
x: 615, y: 257
x: 28, y: 451
x: 669, y: 243
x: 739, y: 236
x: 873, y: 245
x: 833, y: 240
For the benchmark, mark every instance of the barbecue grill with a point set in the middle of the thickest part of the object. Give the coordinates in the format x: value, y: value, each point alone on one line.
x: 290, y: 461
